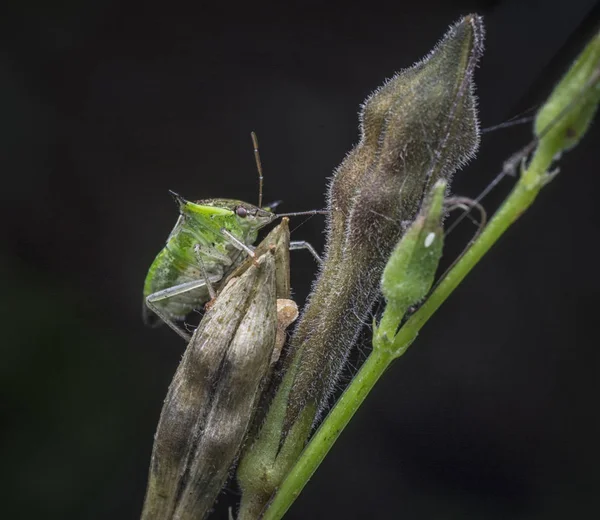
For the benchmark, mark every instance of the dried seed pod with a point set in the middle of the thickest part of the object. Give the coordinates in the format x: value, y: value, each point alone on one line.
x: 217, y: 387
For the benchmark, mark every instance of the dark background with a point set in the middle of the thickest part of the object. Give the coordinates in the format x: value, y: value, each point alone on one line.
x: 106, y: 105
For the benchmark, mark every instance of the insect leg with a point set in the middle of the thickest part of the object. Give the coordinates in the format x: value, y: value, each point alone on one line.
x: 238, y: 244
x: 170, y: 292
x: 203, y: 253
x: 211, y: 289
x: 211, y: 252
x: 297, y: 244
x: 301, y: 244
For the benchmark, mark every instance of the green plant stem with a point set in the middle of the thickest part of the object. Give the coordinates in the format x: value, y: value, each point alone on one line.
x: 522, y: 196
x: 322, y: 441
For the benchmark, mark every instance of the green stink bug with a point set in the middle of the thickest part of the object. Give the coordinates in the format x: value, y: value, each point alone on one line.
x: 210, y: 239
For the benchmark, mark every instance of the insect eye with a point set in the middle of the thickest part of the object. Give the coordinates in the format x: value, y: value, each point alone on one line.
x: 241, y: 212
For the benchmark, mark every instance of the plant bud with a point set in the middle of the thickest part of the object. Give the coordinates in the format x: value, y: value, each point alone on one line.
x: 568, y: 112
x: 410, y: 271
x: 418, y: 127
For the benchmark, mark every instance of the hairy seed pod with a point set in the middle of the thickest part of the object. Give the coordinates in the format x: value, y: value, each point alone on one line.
x: 418, y: 127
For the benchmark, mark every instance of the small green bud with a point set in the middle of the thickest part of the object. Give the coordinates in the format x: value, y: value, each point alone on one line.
x: 410, y: 271
x: 568, y: 112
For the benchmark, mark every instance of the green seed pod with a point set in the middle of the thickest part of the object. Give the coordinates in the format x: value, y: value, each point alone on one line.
x: 417, y: 128
x: 410, y: 271
x: 217, y: 387
x: 569, y: 110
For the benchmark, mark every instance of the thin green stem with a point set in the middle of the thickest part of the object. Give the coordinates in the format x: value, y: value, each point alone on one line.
x: 322, y: 441
x: 521, y: 197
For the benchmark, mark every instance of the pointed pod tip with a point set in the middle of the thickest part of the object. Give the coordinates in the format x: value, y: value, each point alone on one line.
x: 433, y: 205
x: 476, y: 23
x: 469, y: 33
x: 434, y: 97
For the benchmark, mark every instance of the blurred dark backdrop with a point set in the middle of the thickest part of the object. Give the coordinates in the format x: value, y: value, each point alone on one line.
x: 107, y: 105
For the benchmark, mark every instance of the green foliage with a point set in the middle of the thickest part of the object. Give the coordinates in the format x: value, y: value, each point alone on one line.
x: 410, y: 271
x: 568, y: 112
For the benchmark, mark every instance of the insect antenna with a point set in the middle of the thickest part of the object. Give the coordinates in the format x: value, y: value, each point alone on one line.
x: 508, y: 124
x: 520, y: 157
x: 258, y: 167
x: 517, y: 119
x: 312, y: 212
x: 273, y: 205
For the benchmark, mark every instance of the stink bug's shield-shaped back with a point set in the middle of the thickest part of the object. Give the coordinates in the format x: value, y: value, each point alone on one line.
x: 217, y: 387
x: 210, y: 239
